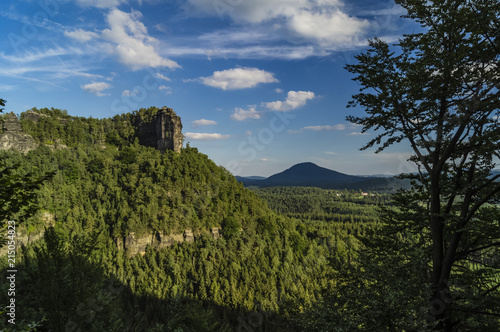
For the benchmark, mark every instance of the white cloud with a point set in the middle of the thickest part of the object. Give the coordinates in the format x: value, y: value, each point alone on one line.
x: 203, y: 122
x: 326, y: 127
x: 241, y: 114
x: 35, y: 55
x: 322, y: 22
x: 162, y: 77
x: 257, y: 11
x: 331, y: 153
x: 356, y: 133
x: 111, y: 77
x: 127, y: 37
x: 126, y: 93
x: 81, y: 35
x: 242, y: 51
x: 317, y: 128
x: 96, y: 88
x: 134, y: 47
x: 278, y: 90
x: 329, y: 27
x: 167, y: 89
x: 294, y: 100
x: 6, y: 87
x: 206, y: 136
x: 238, y: 78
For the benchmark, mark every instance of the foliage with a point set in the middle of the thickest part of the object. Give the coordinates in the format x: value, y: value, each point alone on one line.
x: 438, y: 91
x: 208, y: 285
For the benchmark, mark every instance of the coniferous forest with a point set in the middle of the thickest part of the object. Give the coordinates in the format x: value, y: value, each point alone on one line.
x: 270, y: 264
x: 119, y: 236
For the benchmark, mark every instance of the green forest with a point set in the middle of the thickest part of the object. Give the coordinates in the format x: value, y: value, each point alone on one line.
x: 269, y: 262
x: 289, y: 258
x: 423, y: 258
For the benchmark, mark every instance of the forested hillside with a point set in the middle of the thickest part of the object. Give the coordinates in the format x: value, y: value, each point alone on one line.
x: 105, y: 189
x: 289, y: 258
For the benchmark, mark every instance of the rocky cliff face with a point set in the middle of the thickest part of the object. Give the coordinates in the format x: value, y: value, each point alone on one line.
x: 134, y: 245
x: 12, y: 137
x: 23, y: 238
x: 163, y: 132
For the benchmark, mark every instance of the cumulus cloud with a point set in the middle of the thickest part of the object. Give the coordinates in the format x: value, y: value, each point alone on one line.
x: 241, y: 114
x: 328, y: 28
x: 325, y: 127
x: 127, y: 38
x: 238, y: 78
x: 324, y: 22
x: 294, y: 100
x: 96, y: 88
x: 206, y: 136
x: 203, y: 122
x: 134, y: 47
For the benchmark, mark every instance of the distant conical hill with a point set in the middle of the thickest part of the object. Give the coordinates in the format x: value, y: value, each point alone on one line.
x: 308, y: 174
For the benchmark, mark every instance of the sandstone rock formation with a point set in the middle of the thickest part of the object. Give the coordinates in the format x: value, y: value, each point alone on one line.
x: 23, y: 237
x: 163, y: 132
x: 137, y: 244
x: 132, y: 244
x: 12, y: 137
x: 32, y: 116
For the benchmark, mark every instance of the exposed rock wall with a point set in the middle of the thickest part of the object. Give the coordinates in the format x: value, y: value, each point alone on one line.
x: 134, y: 245
x: 23, y: 238
x: 12, y: 137
x: 164, y: 132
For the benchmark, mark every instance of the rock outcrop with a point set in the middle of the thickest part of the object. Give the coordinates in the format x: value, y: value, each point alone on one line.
x: 163, y: 132
x: 12, y: 137
x: 134, y: 245
x: 33, y: 116
x: 23, y: 237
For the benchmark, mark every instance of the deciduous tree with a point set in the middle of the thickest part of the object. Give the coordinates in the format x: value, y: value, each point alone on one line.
x: 438, y: 91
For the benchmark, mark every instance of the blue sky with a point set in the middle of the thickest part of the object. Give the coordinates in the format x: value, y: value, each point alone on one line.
x: 259, y: 84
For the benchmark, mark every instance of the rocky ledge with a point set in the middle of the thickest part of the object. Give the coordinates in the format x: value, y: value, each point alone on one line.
x: 12, y: 136
x: 134, y: 245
